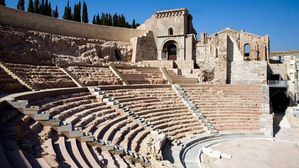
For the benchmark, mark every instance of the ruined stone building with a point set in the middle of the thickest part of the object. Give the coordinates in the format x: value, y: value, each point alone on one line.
x: 174, y: 35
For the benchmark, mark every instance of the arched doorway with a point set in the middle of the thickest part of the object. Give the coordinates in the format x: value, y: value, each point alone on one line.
x: 247, y: 52
x: 170, y: 50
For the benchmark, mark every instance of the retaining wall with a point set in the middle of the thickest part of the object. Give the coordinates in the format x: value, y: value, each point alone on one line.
x: 31, y: 21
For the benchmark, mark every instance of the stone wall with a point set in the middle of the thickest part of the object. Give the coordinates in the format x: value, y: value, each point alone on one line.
x: 157, y: 63
x: 42, y: 23
x: 221, y: 61
x: 144, y: 48
x: 211, y: 57
x: 266, y: 119
x: 244, y: 72
x: 179, y: 21
x: 259, y: 45
x: 19, y: 45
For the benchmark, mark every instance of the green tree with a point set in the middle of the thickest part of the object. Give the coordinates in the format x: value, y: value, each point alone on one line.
x: 48, y: 8
x: 134, y: 24
x: 36, y: 7
x: 30, y: 6
x: 55, y: 12
x: 67, y: 12
x: 110, y: 20
x: 94, y: 19
x: 84, y: 13
x: 2, y: 2
x: 98, y: 19
x: 21, y: 5
x: 114, y: 19
x: 42, y: 8
x: 77, y: 12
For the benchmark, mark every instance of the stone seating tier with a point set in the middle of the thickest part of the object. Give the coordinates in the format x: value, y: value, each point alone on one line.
x: 42, y: 77
x: 228, y: 107
x: 94, y: 76
x: 142, y: 75
x: 158, y: 103
x: 84, y: 111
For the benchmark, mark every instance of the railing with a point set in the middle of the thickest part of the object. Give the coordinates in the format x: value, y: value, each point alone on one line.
x: 278, y: 83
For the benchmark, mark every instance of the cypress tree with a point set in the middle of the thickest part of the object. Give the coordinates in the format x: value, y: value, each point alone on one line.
x: 21, y: 5
x: 2, y: 2
x: 98, y: 19
x: 30, y: 6
x: 134, y: 24
x: 107, y: 19
x: 110, y: 20
x: 123, y: 21
x: 128, y: 25
x: 48, y: 9
x: 55, y: 12
x: 75, y: 15
x: 67, y: 12
x: 84, y: 13
x: 103, y: 20
x: 36, y: 7
x: 42, y: 8
x: 114, y: 20
x: 79, y: 11
x: 94, y: 19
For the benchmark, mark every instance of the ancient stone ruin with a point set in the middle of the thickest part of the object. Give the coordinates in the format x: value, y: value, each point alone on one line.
x: 116, y: 97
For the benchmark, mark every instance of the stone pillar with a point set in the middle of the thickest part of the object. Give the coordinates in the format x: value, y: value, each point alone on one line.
x: 189, y: 47
x: 266, y: 119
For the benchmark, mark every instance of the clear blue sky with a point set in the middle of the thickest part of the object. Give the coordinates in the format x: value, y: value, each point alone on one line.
x: 278, y: 18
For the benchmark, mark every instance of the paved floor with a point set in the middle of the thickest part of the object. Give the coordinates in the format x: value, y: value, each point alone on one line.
x: 281, y: 152
x: 248, y: 153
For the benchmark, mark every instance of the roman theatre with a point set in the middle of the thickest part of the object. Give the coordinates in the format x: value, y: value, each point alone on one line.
x: 161, y: 95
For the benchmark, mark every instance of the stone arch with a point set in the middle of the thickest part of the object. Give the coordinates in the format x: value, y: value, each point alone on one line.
x: 170, y: 50
x: 247, y: 49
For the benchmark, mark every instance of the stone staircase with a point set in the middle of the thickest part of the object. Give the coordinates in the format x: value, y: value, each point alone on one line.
x: 74, y: 79
x: 14, y: 76
x: 69, y: 131
x: 118, y: 74
x: 207, y: 125
x: 165, y: 75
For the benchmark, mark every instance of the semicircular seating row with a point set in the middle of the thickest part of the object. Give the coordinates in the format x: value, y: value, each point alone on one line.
x: 228, y: 107
x: 161, y: 107
x: 48, y: 76
x: 26, y: 143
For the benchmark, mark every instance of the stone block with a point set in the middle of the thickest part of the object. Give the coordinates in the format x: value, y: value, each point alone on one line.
x: 296, y: 113
x: 41, y: 116
x: 86, y: 138
x: 30, y: 110
x: 74, y: 134
x: 117, y: 150
x: 53, y: 122
x: 64, y: 128
x: 215, y: 154
x: 19, y: 104
x: 227, y: 156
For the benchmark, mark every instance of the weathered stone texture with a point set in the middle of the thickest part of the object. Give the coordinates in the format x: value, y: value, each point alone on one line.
x: 144, y: 48
x: 221, y: 58
x: 211, y: 57
x: 47, y: 48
